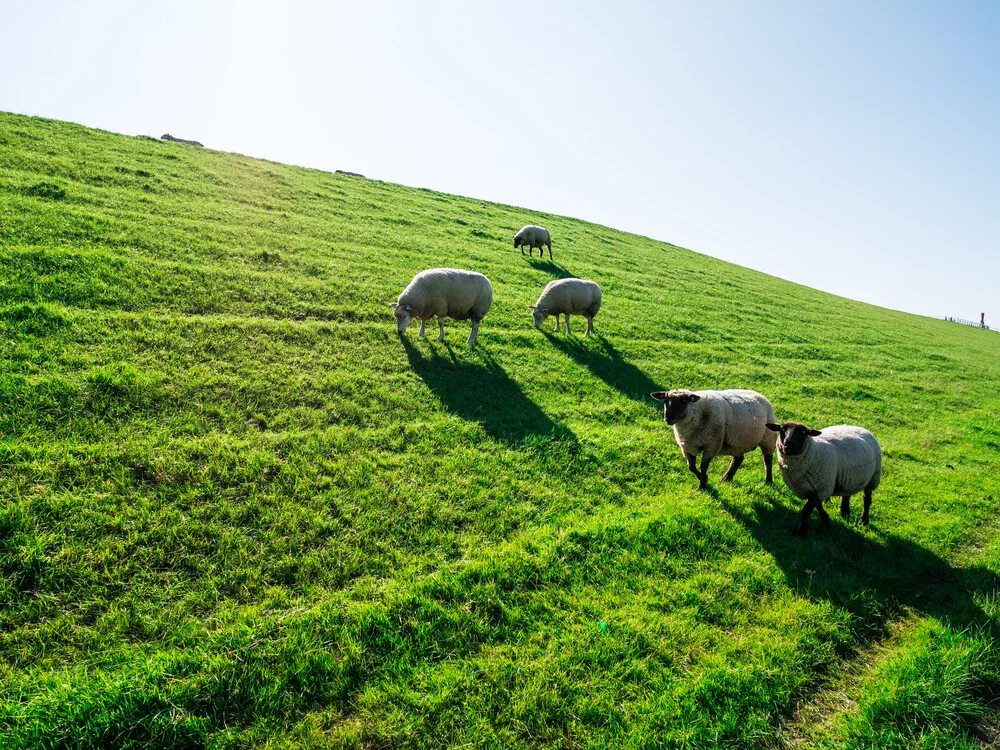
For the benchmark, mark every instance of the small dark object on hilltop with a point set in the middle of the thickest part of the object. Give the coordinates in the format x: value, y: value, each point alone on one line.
x: 168, y: 137
x: 350, y: 174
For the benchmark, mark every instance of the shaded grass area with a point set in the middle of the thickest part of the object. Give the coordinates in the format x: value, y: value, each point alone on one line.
x: 237, y: 510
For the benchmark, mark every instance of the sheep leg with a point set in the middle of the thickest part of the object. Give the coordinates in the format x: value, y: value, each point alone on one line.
x: 440, y: 328
x: 768, y: 476
x: 522, y: 249
x: 550, y: 252
x: 569, y: 331
x: 423, y: 323
x: 733, y: 468
x: 590, y: 324
x: 845, y: 507
x: 557, y: 322
x: 868, y: 504
x: 474, y: 334
x: 807, y: 510
x: 823, y: 515
x: 694, y: 468
x: 706, y: 459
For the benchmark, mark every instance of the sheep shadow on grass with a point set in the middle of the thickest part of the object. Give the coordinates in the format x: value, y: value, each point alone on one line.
x: 553, y: 269
x: 876, y: 576
x: 605, y: 362
x: 479, y: 390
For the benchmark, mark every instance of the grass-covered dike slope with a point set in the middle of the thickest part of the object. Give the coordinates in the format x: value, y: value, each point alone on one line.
x: 237, y: 510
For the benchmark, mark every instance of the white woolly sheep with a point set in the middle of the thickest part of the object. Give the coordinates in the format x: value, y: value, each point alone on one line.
x: 446, y: 293
x: 567, y: 297
x: 531, y: 237
x: 817, y: 464
x: 719, y: 423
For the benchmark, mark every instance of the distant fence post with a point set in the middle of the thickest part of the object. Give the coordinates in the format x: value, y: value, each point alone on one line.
x: 962, y: 321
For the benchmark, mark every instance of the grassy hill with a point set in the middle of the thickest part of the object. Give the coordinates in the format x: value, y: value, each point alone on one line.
x: 237, y: 510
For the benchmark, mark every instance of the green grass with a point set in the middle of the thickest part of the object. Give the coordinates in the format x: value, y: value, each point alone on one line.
x: 236, y: 510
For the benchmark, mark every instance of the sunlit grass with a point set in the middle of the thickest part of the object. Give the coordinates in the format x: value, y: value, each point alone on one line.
x: 237, y: 510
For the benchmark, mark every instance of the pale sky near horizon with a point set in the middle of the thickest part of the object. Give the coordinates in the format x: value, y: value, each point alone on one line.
x: 849, y: 146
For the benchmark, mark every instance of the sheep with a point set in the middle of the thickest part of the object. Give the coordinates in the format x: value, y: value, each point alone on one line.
x: 817, y: 464
x: 533, y: 236
x: 566, y: 297
x: 444, y: 292
x: 168, y: 137
x: 719, y: 423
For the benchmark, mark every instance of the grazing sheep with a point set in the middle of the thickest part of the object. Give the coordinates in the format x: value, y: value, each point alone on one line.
x: 817, y: 464
x: 168, y: 137
x: 567, y: 297
x: 719, y: 423
x: 446, y: 293
x: 532, y: 237
x: 349, y: 174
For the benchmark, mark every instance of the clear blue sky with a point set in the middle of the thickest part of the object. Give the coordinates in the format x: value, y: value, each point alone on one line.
x: 850, y: 146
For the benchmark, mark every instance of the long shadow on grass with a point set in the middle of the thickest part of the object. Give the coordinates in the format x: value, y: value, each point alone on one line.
x: 875, y: 579
x: 606, y: 363
x: 480, y: 390
x: 550, y: 268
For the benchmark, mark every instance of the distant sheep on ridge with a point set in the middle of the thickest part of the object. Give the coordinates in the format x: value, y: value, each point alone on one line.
x: 531, y: 237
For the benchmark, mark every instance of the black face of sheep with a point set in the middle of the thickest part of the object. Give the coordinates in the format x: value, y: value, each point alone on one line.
x: 792, y: 436
x: 675, y: 404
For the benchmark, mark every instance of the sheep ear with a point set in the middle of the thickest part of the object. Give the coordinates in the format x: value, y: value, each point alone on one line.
x: 773, y: 427
x: 531, y: 307
x: 659, y: 395
x: 694, y: 397
x: 814, y: 433
x: 393, y: 304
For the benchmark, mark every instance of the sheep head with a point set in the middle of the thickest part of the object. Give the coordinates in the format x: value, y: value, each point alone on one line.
x: 539, y: 314
x: 792, y: 436
x: 404, y: 316
x: 675, y: 403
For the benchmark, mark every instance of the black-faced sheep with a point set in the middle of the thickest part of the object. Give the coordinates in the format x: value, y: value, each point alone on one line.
x: 719, y: 423
x: 817, y: 464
